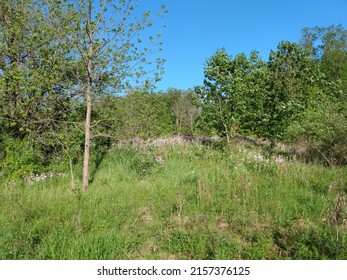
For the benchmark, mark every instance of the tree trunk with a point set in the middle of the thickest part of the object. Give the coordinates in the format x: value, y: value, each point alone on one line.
x: 85, y: 179
x: 87, y: 140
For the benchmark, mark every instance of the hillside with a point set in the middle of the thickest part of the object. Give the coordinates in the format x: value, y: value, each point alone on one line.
x: 180, y: 201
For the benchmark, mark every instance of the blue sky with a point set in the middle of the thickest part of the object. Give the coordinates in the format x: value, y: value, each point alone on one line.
x: 197, y: 28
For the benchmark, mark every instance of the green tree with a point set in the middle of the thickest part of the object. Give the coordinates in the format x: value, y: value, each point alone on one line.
x: 252, y: 86
x: 35, y: 65
x: 146, y: 115
x: 291, y: 79
x: 322, y: 125
x: 228, y: 92
x: 139, y: 114
x: 107, y: 41
x: 328, y: 46
x: 36, y: 68
x: 216, y: 94
x: 323, y: 129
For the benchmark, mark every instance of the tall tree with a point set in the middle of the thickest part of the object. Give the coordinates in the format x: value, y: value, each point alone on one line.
x: 35, y: 65
x: 108, y: 41
x: 322, y: 125
x: 328, y: 46
x: 291, y: 74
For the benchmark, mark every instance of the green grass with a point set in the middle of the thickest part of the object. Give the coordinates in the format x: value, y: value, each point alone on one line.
x: 201, y: 203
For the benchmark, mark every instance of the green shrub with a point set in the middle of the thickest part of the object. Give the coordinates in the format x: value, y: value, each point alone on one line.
x: 20, y: 158
x: 323, y: 127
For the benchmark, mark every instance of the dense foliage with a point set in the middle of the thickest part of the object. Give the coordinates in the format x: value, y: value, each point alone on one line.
x: 299, y: 94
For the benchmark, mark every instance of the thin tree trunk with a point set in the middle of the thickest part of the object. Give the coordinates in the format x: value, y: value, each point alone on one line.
x: 73, y: 187
x: 85, y: 179
x: 87, y: 140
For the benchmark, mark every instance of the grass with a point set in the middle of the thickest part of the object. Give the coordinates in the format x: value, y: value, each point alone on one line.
x: 196, y: 202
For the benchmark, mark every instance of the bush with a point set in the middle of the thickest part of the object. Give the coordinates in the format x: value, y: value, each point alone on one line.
x: 323, y: 126
x: 19, y: 158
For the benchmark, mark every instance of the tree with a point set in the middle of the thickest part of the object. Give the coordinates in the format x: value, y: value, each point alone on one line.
x: 290, y: 78
x: 228, y: 91
x: 146, y: 115
x: 34, y: 65
x: 323, y: 128
x: 322, y: 125
x: 328, y: 46
x: 36, y: 68
x: 139, y: 114
x: 107, y: 41
x: 183, y: 110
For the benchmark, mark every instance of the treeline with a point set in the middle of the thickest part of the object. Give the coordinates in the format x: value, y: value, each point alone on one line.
x: 138, y: 114
x: 145, y: 115
x: 299, y: 95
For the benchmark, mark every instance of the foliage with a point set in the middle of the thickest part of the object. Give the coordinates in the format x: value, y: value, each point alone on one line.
x: 35, y: 66
x: 291, y: 76
x: 19, y: 158
x: 57, y: 55
x: 146, y: 115
x: 138, y: 114
x: 323, y: 126
x: 328, y: 46
x: 249, y: 96
x: 227, y: 92
x: 183, y: 110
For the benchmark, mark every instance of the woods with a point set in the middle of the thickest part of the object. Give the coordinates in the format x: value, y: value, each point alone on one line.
x: 50, y: 81
x: 275, y: 99
x: 67, y: 56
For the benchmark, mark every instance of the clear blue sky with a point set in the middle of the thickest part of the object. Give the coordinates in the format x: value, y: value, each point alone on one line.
x: 197, y: 28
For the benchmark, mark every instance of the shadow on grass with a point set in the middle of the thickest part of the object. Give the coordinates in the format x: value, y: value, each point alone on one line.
x: 100, y: 152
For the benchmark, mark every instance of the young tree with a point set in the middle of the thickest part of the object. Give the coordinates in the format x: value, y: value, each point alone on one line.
x: 217, y: 95
x: 109, y: 44
x: 228, y: 90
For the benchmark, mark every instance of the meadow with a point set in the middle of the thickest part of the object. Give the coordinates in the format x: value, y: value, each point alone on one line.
x: 181, y: 201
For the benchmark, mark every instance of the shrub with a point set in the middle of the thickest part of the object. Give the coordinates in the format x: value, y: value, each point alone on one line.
x: 19, y: 158
x: 323, y: 126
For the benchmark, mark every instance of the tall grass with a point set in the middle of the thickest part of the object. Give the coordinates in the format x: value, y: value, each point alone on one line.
x: 181, y: 202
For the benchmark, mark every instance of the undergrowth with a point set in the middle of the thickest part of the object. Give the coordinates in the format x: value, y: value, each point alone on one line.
x: 180, y: 202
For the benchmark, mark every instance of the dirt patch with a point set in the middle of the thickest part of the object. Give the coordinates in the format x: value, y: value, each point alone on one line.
x: 145, y: 215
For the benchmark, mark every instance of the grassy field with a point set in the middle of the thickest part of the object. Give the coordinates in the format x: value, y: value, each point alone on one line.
x: 181, y: 202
